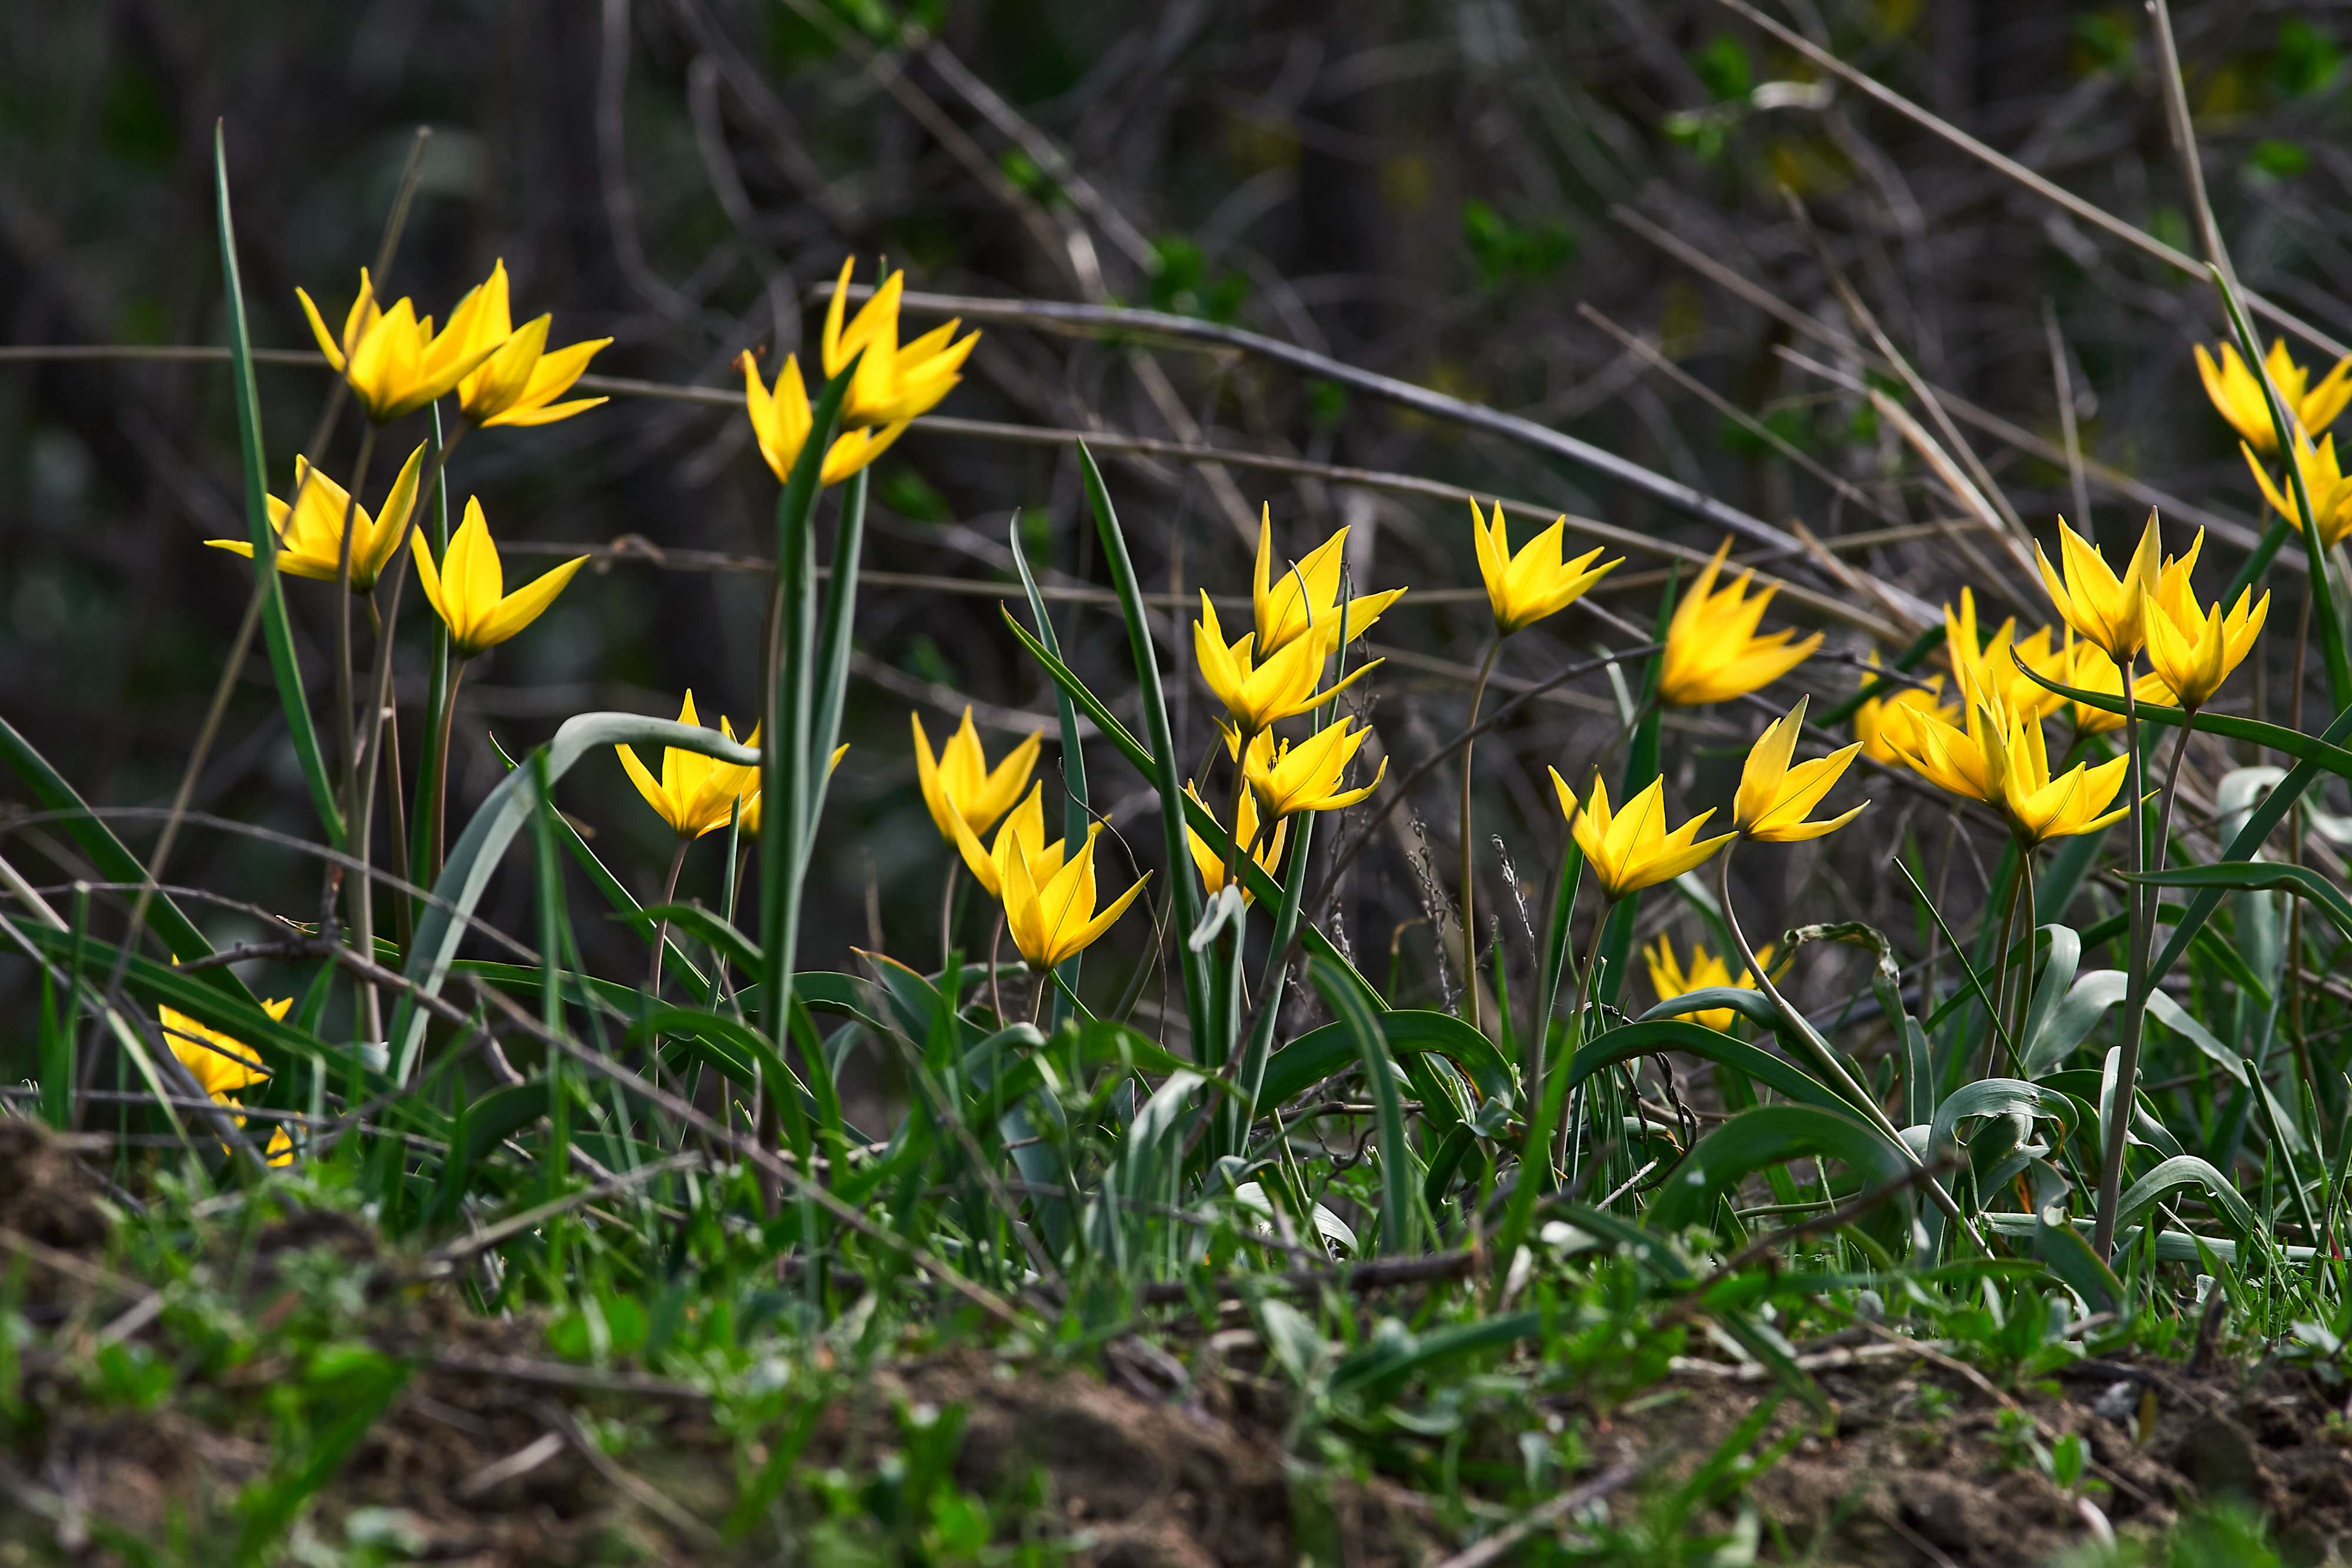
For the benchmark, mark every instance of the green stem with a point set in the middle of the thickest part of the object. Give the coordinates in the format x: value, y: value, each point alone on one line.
x: 947, y: 909
x: 2111, y: 1164
x: 437, y: 815
x: 1469, y: 870
x: 361, y: 891
x: 1576, y: 1030
x: 661, y: 927
x: 1996, y: 1006
x: 2032, y: 923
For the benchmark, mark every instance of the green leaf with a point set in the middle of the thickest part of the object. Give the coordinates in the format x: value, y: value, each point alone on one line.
x: 1653, y: 1035
x: 1769, y: 1135
x: 108, y: 857
x: 284, y: 667
x: 2258, y: 875
x: 1074, y: 816
x: 476, y: 854
x: 704, y: 925
x: 1320, y: 1053
x: 2180, y: 1171
x: 1996, y: 1097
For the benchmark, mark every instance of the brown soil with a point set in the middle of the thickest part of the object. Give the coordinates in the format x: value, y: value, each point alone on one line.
x: 476, y: 1460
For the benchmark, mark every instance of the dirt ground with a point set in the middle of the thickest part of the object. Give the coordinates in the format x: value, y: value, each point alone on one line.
x: 483, y: 1459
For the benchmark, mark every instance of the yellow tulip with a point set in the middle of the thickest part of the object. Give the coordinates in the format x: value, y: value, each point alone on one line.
x: 1306, y: 776
x: 2323, y: 480
x: 1713, y: 653
x: 223, y: 1066
x: 1211, y: 863
x: 1021, y: 835
x: 1670, y: 978
x: 1774, y: 799
x: 2193, y: 650
x: 521, y: 381
x: 311, y: 532
x: 1260, y: 692
x: 958, y: 783
x: 468, y: 590
x: 2238, y: 397
x: 2041, y: 807
x: 1879, y: 718
x: 1523, y: 589
x: 1049, y: 902
x: 394, y: 363
x: 1308, y: 595
x: 1962, y: 760
x: 2103, y: 607
x: 2087, y: 668
x: 1631, y: 850
x: 782, y: 419
x: 748, y: 818
x: 695, y: 794
x: 894, y: 382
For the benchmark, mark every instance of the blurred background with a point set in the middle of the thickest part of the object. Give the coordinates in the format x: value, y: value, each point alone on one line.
x: 1579, y: 212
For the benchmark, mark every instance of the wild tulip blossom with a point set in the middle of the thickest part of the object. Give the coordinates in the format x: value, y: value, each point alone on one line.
x: 1629, y: 850
x: 2238, y: 396
x: 781, y: 420
x: 958, y: 784
x: 468, y: 589
x: 1775, y: 801
x: 1048, y: 896
x: 2193, y: 650
x: 2323, y: 480
x: 1262, y: 690
x: 1306, y: 597
x: 1670, y: 978
x: 2042, y: 807
x: 1524, y: 588
x: 895, y: 382
x: 311, y: 531
x: 695, y: 794
x: 2087, y: 668
x: 1889, y: 713
x: 1211, y: 863
x: 2101, y: 606
x: 1713, y: 653
x: 1288, y: 779
x: 519, y: 384
x: 223, y: 1066
x: 394, y: 363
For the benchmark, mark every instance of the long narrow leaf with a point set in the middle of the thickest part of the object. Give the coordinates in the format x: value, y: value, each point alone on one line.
x: 1399, y: 1210
x: 283, y: 666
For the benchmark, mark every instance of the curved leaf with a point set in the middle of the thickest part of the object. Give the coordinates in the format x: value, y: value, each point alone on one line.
x: 2180, y: 1171
x: 477, y: 850
x: 1996, y: 1097
x: 1400, y: 1216
x: 1769, y: 1135
x: 2254, y: 876
x: 1318, y: 1053
x: 1635, y: 1039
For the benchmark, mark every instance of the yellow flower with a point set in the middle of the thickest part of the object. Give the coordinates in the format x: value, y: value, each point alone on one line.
x: 1049, y: 903
x: 2323, y: 481
x: 1670, y: 978
x: 225, y: 1066
x: 748, y: 818
x: 894, y: 382
x: 394, y: 361
x: 1774, y: 799
x: 1213, y: 863
x: 781, y: 420
x: 2041, y: 807
x: 1631, y: 850
x: 521, y: 381
x: 1308, y: 595
x: 2193, y: 650
x: 1259, y: 693
x: 2087, y: 668
x: 1713, y: 653
x: 468, y: 590
x: 1306, y: 776
x: 1523, y: 589
x: 1879, y: 718
x: 2048, y: 656
x: 696, y: 794
x: 2004, y: 762
x: 311, y: 532
x: 959, y: 784
x: 2237, y: 393
x: 2101, y: 607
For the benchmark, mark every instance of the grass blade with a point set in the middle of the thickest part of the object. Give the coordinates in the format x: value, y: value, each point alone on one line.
x: 1400, y: 1230
x: 1074, y: 816
x: 283, y: 665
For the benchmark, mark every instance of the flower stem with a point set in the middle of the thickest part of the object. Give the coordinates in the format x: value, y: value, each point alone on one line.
x: 437, y: 816
x: 1576, y: 1034
x: 1469, y: 870
x: 396, y: 804
x: 361, y: 889
x: 661, y: 927
x: 2111, y: 1163
x: 947, y: 910
x: 1997, y: 1007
